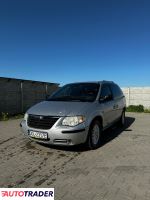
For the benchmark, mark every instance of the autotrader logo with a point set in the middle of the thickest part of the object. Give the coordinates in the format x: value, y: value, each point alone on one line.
x: 26, y: 193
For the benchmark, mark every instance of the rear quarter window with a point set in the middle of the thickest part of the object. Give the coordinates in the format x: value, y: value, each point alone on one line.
x: 116, y: 91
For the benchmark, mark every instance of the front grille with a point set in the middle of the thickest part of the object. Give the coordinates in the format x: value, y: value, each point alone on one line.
x: 41, y: 122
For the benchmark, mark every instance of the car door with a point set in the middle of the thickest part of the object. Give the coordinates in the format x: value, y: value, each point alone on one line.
x: 107, y: 103
x: 117, y: 96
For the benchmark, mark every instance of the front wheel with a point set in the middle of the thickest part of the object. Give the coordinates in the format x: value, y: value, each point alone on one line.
x: 95, y: 135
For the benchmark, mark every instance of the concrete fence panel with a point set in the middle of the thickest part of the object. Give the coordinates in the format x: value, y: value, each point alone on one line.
x: 137, y: 96
x: 17, y: 95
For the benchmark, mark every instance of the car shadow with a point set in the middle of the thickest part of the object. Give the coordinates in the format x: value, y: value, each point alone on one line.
x: 108, y: 135
x: 113, y: 132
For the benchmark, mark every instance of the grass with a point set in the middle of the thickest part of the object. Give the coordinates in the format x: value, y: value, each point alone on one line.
x: 6, y: 116
x: 147, y: 111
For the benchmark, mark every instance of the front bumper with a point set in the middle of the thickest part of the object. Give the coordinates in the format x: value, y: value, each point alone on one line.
x: 58, y: 135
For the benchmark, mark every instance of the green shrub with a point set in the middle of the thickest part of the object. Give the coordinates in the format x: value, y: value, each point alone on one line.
x: 4, y: 116
x: 147, y: 110
x: 18, y: 116
x: 133, y: 108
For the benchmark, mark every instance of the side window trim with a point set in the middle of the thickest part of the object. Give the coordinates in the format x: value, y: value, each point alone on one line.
x: 109, y: 85
x: 113, y: 98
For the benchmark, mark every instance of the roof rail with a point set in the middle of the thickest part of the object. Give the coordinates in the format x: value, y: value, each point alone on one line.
x: 104, y: 81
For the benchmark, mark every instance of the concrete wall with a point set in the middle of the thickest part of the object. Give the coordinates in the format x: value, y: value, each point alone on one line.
x: 137, y: 95
x: 17, y: 95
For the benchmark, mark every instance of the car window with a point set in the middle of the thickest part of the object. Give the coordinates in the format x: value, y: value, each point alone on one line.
x: 116, y: 91
x: 106, y: 92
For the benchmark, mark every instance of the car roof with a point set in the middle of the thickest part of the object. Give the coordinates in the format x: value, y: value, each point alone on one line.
x: 98, y: 82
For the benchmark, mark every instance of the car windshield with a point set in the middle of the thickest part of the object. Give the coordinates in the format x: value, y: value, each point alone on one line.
x: 86, y: 92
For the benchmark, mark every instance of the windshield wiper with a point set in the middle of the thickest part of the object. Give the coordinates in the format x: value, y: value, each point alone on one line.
x: 67, y: 98
x: 62, y: 98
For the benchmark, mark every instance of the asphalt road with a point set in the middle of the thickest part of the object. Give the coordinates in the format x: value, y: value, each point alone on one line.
x: 119, y: 170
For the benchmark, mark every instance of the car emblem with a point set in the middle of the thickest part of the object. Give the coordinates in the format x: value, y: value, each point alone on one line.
x: 41, y: 117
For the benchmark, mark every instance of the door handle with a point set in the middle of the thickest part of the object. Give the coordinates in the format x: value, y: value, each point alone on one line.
x: 115, y: 106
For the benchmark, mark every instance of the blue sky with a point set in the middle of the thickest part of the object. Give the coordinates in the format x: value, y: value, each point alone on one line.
x: 76, y: 40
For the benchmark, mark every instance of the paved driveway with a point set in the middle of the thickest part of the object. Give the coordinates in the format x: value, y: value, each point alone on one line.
x: 119, y: 170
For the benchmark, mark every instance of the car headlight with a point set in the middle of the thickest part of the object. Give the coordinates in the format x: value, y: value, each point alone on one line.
x: 73, y: 121
x: 26, y: 116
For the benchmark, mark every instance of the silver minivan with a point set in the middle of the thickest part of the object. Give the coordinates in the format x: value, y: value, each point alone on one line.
x: 77, y: 113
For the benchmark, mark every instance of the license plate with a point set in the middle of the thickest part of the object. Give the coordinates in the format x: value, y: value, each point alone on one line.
x: 38, y: 135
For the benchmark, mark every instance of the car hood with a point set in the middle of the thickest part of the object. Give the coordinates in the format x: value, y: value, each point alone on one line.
x: 59, y: 108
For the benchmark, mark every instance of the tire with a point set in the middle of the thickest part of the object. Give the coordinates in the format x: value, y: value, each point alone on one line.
x: 122, y: 119
x: 95, y: 135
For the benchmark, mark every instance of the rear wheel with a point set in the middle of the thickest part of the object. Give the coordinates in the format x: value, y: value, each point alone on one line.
x: 122, y: 119
x: 95, y: 135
